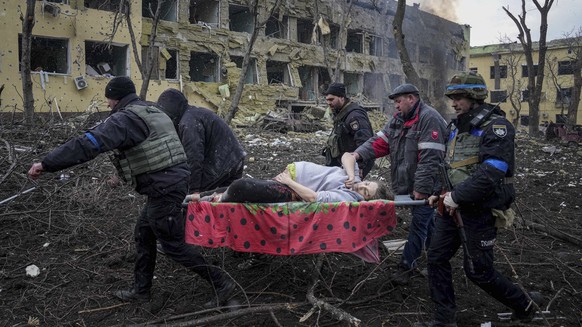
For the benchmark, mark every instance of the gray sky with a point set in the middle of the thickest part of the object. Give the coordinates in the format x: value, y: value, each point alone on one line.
x: 490, y: 24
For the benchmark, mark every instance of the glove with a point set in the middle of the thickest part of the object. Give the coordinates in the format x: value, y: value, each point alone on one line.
x: 448, y: 201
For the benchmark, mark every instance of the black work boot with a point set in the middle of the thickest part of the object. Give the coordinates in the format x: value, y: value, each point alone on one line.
x: 528, y: 314
x: 131, y: 295
x: 224, y: 290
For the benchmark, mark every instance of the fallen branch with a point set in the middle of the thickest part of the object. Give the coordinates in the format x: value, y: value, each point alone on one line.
x: 337, y: 313
x: 230, y: 315
x: 104, y: 308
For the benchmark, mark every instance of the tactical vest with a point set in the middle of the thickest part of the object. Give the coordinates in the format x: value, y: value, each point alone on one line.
x: 463, y: 151
x: 337, y: 142
x: 162, y: 148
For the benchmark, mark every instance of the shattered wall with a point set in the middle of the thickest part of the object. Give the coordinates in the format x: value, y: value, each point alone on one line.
x: 439, y: 47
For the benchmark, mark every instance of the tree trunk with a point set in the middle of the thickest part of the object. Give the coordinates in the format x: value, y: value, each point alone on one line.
x: 534, y: 82
x: 411, y: 74
x: 247, y: 58
x: 28, y: 21
x: 575, y: 99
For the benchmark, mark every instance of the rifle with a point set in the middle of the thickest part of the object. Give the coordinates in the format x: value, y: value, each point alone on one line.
x: 448, y: 187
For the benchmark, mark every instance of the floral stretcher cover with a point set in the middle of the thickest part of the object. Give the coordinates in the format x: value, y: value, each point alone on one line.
x: 292, y: 228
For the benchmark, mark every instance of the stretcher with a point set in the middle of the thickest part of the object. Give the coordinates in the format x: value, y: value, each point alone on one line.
x: 294, y: 228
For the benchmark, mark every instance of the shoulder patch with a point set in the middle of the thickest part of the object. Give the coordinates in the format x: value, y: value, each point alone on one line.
x: 355, y: 125
x: 434, y: 135
x: 500, y: 130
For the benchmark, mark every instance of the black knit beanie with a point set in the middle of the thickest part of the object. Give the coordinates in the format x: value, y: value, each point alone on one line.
x: 119, y: 87
x: 337, y: 89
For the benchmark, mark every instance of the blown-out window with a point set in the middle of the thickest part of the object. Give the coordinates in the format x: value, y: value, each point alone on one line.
x: 50, y: 55
x: 104, y: 59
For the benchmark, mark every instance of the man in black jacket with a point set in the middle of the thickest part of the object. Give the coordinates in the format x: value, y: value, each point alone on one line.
x: 215, y: 157
x: 351, y: 128
x: 481, y: 160
x: 137, y: 133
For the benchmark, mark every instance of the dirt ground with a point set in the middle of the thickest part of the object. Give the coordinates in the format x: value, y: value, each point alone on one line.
x: 78, y: 232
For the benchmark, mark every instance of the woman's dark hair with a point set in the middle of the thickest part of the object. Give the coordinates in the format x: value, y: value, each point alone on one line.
x: 383, y: 192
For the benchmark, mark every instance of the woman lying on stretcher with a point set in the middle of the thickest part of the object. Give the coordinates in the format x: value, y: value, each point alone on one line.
x: 303, y: 181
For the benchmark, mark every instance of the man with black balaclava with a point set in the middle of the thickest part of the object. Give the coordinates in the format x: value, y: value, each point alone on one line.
x: 214, y: 155
x: 351, y: 128
x: 137, y: 132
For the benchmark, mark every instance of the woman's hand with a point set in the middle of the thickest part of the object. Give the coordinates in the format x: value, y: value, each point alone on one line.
x: 349, y: 183
x: 284, y: 177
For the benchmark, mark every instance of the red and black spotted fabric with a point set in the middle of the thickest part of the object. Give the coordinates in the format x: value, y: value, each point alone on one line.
x: 290, y: 228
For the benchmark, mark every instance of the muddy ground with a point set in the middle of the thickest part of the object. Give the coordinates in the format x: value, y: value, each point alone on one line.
x: 78, y: 231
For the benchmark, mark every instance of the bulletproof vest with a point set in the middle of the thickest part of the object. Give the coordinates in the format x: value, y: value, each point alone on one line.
x: 463, y: 151
x: 161, y: 149
x: 338, y: 142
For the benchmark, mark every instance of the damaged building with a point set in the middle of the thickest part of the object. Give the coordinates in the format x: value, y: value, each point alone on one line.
x: 200, y: 45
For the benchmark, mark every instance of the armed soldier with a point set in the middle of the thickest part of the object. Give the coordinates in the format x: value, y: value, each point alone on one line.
x: 480, y: 155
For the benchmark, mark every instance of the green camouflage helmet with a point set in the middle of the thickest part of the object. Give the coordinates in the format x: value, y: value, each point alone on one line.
x: 470, y: 84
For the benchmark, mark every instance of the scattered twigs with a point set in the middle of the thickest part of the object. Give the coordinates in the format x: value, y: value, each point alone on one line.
x: 103, y: 308
x: 229, y: 315
x: 11, y: 159
x: 337, y: 313
x: 546, y: 228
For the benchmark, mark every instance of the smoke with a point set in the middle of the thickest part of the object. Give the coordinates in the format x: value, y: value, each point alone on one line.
x: 446, y: 9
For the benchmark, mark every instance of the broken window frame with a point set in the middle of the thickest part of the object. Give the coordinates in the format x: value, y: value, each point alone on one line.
x: 376, y: 45
x: 252, y: 71
x: 354, y: 82
x: 250, y: 20
x: 210, y: 14
x: 309, y: 89
x: 214, y: 67
x: 304, y: 30
x: 161, y: 63
x: 282, y: 27
x: 44, y: 54
x: 107, y: 5
x: 169, y: 14
x: 175, y: 60
x: 373, y: 86
x: 287, y: 77
x: 111, y: 59
x: 355, y: 41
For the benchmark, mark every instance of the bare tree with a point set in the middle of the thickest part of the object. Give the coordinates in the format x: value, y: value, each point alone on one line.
x: 512, y: 60
x: 148, y: 64
x: 575, y: 56
x: 407, y: 67
x: 333, y: 68
x: 260, y: 21
x: 27, y: 26
x: 552, y: 66
x: 535, y: 81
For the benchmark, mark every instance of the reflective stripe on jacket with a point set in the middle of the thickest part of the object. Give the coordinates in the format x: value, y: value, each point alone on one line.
x: 416, y: 147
